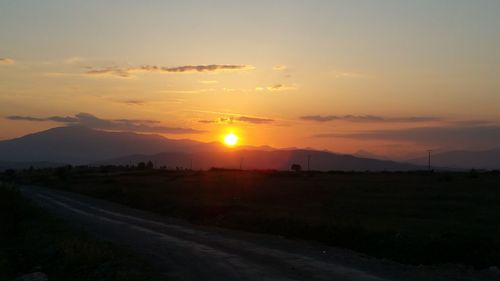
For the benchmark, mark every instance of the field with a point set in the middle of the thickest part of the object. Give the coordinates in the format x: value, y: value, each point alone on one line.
x: 414, y: 218
x: 31, y: 240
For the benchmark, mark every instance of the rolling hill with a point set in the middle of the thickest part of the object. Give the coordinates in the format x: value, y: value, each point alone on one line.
x: 80, y: 145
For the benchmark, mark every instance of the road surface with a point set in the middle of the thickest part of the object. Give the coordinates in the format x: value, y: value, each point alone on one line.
x: 187, y: 252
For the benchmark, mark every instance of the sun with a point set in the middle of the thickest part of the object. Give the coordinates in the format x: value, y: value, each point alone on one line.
x: 230, y: 139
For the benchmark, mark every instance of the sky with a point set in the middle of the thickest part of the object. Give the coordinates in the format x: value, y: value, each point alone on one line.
x: 390, y: 77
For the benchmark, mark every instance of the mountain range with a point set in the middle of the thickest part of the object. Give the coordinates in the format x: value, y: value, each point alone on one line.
x: 78, y: 145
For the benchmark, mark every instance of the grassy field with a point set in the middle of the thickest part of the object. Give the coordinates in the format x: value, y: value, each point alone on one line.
x: 414, y: 218
x: 33, y: 241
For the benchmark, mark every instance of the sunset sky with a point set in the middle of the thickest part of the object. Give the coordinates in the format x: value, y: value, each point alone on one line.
x: 389, y: 77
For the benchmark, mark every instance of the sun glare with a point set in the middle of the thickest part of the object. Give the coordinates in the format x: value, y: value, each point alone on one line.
x: 230, y: 139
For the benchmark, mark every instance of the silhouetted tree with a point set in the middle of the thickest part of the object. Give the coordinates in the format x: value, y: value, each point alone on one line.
x: 141, y: 166
x: 63, y: 172
x: 296, y: 168
x: 149, y: 165
x: 10, y: 173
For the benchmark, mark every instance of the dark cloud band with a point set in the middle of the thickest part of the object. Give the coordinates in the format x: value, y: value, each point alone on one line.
x: 127, y: 72
x: 91, y: 121
x: 369, y: 118
x: 246, y: 119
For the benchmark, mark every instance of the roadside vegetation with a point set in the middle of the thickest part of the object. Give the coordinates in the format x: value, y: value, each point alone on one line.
x: 31, y: 240
x: 412, y: 217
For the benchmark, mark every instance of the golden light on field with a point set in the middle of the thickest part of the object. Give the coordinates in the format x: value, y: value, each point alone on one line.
x: 231, y: 139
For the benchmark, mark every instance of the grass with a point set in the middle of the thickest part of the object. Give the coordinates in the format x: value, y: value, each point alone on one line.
x: 31, y: 240
x: 413, y: 218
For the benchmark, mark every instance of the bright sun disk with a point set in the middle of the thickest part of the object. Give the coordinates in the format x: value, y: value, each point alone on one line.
x: 231, y: 139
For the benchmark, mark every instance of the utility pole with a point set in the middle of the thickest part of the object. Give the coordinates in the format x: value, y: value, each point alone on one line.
x: 308, y: 163
x: 429, y: 160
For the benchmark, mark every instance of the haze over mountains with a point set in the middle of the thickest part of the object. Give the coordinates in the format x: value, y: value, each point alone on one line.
x: 82, y: 145
x: 258, y: 160
x: 486, y: 159
x: 79, y: 145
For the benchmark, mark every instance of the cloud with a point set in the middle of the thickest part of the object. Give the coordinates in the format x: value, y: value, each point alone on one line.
x: 134, y: 102
x: 280, y: 67
x: 91, y: 121
x: 369, y: 118
x: 196, y: 91
x: 472, y: 122
x: 60, y: 119
x: 113, y: 71
x: 463, y: 136
x: 208, y: 121
x: 73, y: 60
x: 233, y: 119
x: 7, y: 61
x: 57, y: 74
x: 276, y: 87
x: 127, y: 72
x: 254, y: 120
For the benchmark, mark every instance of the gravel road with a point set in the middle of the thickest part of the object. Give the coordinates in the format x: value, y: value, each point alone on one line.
x: 187, y: 252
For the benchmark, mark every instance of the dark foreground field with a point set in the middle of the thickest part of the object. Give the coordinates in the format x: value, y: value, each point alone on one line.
x: 414, y: 218
x: 31, y: 240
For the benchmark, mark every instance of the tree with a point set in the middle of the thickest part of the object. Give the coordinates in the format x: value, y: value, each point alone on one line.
x: 149, y: 165
x: 296, y: 168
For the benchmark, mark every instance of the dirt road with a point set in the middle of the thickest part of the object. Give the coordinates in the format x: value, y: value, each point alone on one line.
x: 187, y: 252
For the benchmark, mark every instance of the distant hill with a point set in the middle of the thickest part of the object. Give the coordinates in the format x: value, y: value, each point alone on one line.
x: 257, y: 159
x: 4, y: 165
x: 81, y: 145
x: 366, y: 154
x: 486, y: 159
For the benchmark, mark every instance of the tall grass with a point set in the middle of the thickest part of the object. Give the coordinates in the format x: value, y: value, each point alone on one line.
x: 31, y: 240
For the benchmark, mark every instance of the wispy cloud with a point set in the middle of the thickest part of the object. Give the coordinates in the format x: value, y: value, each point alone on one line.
x: 195, y: 91
x: 60, y: 119
x: 110, y: 71
x: 7, y: 61
x: 254, y: 120
x: 233, y: 119
x: 280, y: 67
x: 276, y: 87
x: 73, y: 60
x: 134, y: 102
x: 369, y: 118
x: 129, y: 71
x: 91, y: 121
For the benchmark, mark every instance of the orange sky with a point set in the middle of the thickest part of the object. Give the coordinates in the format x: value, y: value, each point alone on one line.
x: 390, y: 78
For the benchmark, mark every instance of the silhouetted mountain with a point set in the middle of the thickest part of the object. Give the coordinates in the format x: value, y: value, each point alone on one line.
x: 487, y: 159
x: 257, y: 159
x: 4, y: 165
x: 366, y: 154
x: 80, y: 145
